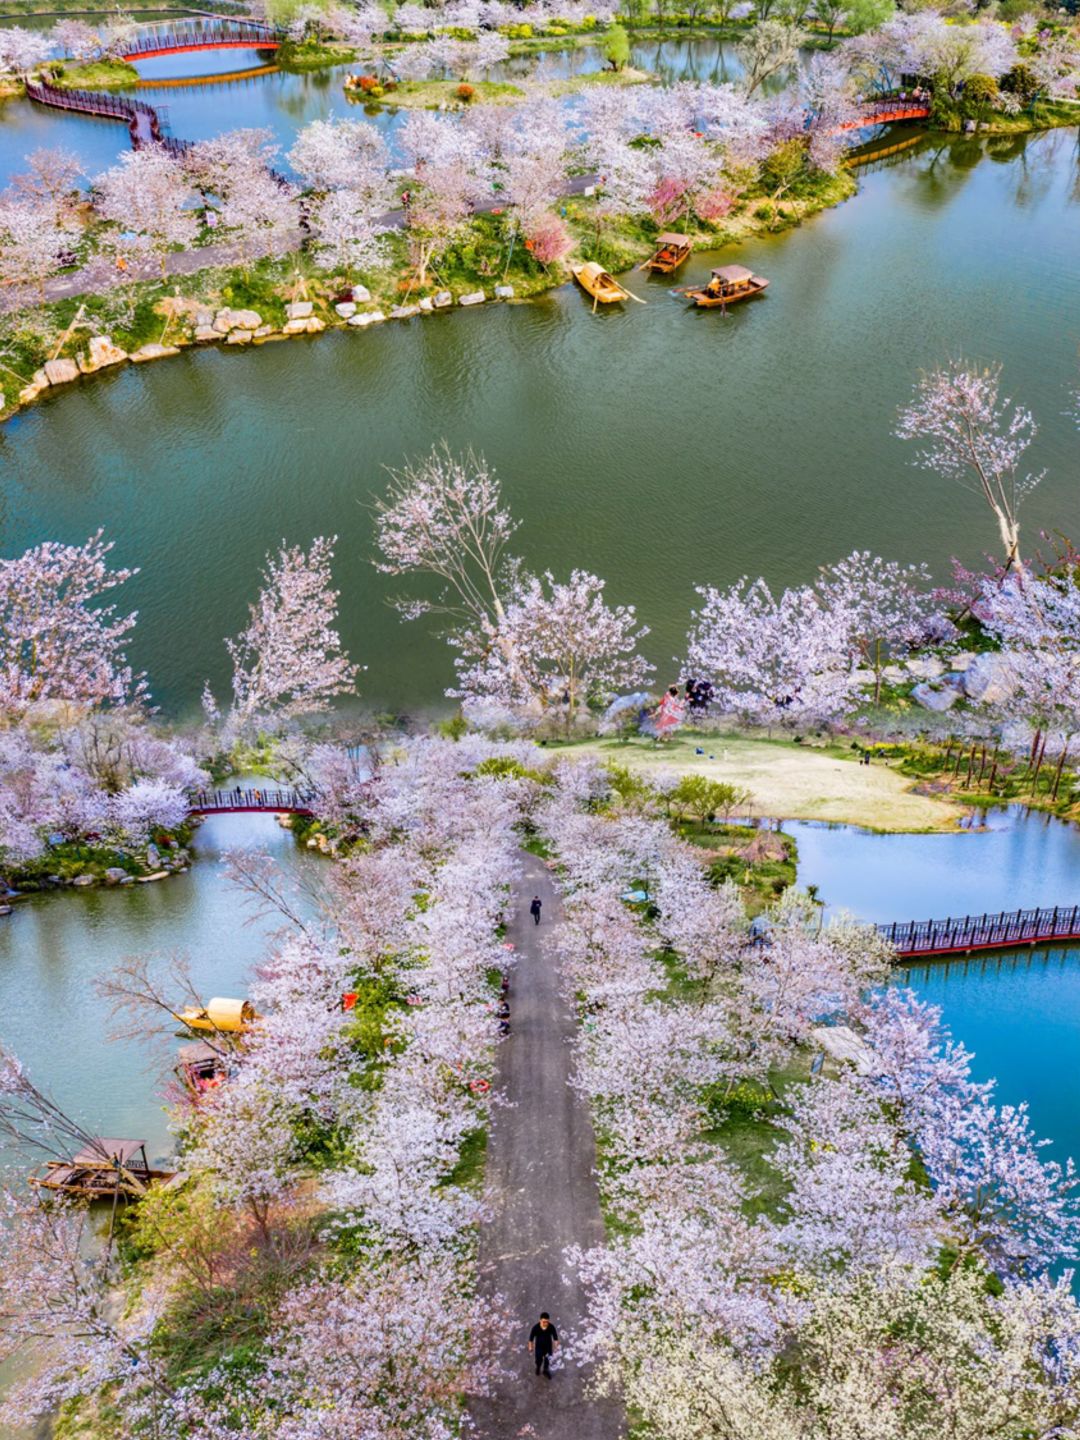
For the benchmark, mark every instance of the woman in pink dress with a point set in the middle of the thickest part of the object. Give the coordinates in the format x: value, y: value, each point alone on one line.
x: 669, y: 713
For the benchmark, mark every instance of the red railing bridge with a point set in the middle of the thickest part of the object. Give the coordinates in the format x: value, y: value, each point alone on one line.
x: 207, y: 35
x: 885, y: 112
x: 247, y: 799
x: 1005, y: 931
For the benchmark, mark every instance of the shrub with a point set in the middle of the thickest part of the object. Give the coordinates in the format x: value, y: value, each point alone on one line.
x: 1020, y: 81
x: 465, y: 93
x: 369, y: 83
x: 980, y: 92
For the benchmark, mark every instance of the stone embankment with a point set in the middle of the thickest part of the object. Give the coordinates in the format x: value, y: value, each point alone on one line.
x: 197, y: 325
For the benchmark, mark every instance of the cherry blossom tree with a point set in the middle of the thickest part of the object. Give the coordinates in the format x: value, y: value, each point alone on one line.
x: 49, y: 178
x: 343, y: 154
x: 75, y: 38
x: 22, y: 51
x: 236, y: 172
x: 772, y: 660
x: 148, y: 197
x: 976, y: 439
x: 558, y: 645
x: 33, y: 240
x: 343, y: 236
x: 444, y: 516
x: 57, y: 642
x: 289, y: 660
x: 770, y: 47
x: 885, y: 606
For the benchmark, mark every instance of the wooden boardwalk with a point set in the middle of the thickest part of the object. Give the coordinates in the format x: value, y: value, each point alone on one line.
x: 242, y: 799
x: 1007, y: 930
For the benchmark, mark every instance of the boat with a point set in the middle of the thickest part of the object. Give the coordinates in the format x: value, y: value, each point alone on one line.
x: 728, y: 284
x: 106, y: 1169
x: 221, y: 1013
x: 671, y: 251
x: 596, y: 281
x: 199, y: 1068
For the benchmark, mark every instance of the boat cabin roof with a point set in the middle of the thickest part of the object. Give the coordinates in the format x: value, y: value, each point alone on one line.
x: 105, y: 1151
x: 670, y: 238
x: 732, y: 273
x: 198, y: 1053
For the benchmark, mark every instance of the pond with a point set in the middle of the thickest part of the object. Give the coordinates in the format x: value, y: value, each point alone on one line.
x: 55, y: 945
x: 660, y: 447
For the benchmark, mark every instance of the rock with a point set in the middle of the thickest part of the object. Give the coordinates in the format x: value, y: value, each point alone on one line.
x: 61, y: 372
x: 246, y: 320
x: 153, y: 352
x: 372, y: 317
x: 404, y: 312
x: 223, y: 321
x: 101, y: 352
x: 619, y: 706
x: 504, y: 292
x: 895, y: 674
x: 295, y: 327
x: 361, y: 294
x: 475, y: 297
x: 157, y: 875
x: 990, y: 677
x: 204, y: 317
x: 442, y: 300
x: 313, y: 326
x: 30, y: 392
x: 203, y: 333
x: 962, y: 663
x: 6, y: 909
x: 299, y: 310
x: 127, y: 880
x: 426, y: 305
x: 84, y: 880
x: 239, y: 337
x: 346, y: 309
x: 925, y: 667
x: 114, y: 874
x: 153, y: 855
x: 931, y: 699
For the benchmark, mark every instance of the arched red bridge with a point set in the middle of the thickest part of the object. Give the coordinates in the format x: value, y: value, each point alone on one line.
x: 249, y: 799
x: 885, y: 112
x: 216, y: 35
x: 1004, y: 931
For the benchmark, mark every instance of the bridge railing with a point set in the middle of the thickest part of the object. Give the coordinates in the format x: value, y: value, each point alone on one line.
x: 983, y: 932
x: 257, y: 36
x: 251, y: 798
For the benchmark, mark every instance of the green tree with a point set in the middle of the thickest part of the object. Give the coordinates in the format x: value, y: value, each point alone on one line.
x: 862, y: 16
x: 617, y: 47
x: 980, y: 96
x: 703, y: 798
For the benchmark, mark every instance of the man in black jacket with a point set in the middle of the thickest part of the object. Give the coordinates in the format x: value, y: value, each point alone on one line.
x: 543, y: 1339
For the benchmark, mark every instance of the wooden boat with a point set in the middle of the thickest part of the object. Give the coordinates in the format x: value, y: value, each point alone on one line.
x: 199, y: 1068
x: 671, y: 251
x: 596, y: 281
x: 221, y: 1013
x: 728, y: 284
x: 105, y: 1169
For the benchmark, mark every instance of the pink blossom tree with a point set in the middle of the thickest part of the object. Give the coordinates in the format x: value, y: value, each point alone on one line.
x: 58, y: 642
x: 289, y: 660
x: 147, y: 196
x: 976, y: 439
x: 885, y: 606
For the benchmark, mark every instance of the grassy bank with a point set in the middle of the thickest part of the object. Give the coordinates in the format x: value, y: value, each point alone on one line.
x: 791, y: 780
x: 312, y: 55
x: 94, y: 75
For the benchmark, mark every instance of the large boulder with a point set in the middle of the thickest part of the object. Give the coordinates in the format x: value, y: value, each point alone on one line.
x: 475, y: 297
x: 620, y: 706
x: 504, y: 292
x: 346, y: 308
x: 371, y: 317
x: 990, y: 678
x: 931, y: 697
x: 925, y: 667
x: 361, y: 294
x: 153, y: 352
x: 442, y: 300
x: 239, y: 337
x: 299, y: 310
x: 404, y: 312
x: 206, y: 333
x: 38, y: 383
x: 246, y: 320
x: 114, y: 874
x: 61, y: 372
x: 101, y: 352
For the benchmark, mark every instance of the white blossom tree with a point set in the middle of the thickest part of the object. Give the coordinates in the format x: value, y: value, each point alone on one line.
x: 147, y: 196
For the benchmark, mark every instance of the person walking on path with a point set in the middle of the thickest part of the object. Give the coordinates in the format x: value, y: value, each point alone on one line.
x: 534, y: 909
x: 543, y: 1339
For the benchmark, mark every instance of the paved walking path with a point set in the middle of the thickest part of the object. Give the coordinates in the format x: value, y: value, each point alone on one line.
x: 543, y: 1193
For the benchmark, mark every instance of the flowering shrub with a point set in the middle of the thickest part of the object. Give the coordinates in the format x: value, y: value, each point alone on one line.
x: 465, y: 93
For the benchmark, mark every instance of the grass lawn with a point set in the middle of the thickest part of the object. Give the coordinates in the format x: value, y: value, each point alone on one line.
x: 789, y: 781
